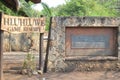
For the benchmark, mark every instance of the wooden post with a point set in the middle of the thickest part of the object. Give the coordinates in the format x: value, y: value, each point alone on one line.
x: 41, y: 61
x: 118, y: 44
x: 1, y: 54
x: 1, y: 48
x: 47, y: 49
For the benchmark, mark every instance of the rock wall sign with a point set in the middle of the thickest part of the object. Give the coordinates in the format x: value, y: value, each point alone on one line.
x: 22, y: 24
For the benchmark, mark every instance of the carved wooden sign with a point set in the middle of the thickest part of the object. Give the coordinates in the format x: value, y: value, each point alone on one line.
x: 22, y: 24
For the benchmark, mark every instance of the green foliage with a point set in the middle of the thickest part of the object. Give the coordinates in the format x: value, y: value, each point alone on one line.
x: 46, y: 12
x: 29, y: 62
x: 111, y: 5
x: 29, y: 65
x: 85, y: 8
x: 25, y: 10
x: 28, y: 10
x: 6, y: 10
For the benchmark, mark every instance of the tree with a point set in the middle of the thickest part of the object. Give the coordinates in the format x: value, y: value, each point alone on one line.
x: 27, y: 9
x: 112, y: 4
x: 6, y: 10
x: 85, y: 8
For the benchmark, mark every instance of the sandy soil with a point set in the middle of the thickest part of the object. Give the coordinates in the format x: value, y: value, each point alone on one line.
x: 103, y: 75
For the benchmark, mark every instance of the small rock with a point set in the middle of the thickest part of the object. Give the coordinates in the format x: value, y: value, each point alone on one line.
x: 40, y: 72
x: 24, y: 71
x: 118, y: 65
x: 35, y: 72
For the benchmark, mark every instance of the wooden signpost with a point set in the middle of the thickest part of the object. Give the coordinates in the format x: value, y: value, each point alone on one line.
x: 15, y: 24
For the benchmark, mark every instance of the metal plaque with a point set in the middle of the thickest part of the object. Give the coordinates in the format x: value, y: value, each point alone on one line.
x: 90, y: 41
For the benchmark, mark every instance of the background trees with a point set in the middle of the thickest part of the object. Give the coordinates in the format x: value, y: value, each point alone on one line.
x: 86, y: 8
x: 71, y: 8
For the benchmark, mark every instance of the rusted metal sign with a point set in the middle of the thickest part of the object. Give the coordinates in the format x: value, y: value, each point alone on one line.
x: 22, y: 24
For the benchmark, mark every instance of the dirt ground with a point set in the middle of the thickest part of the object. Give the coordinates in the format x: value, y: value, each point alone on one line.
x: 97, y: 75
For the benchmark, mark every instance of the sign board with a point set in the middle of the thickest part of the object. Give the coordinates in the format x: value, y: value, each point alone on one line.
x: 90, y: 41
x: 22, y: 24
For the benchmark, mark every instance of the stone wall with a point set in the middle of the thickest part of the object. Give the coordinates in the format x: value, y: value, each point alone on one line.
x: 22, y: 41
x: 57, y: 58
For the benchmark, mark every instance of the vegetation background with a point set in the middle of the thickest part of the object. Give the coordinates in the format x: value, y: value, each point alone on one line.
x: 71, y: 8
